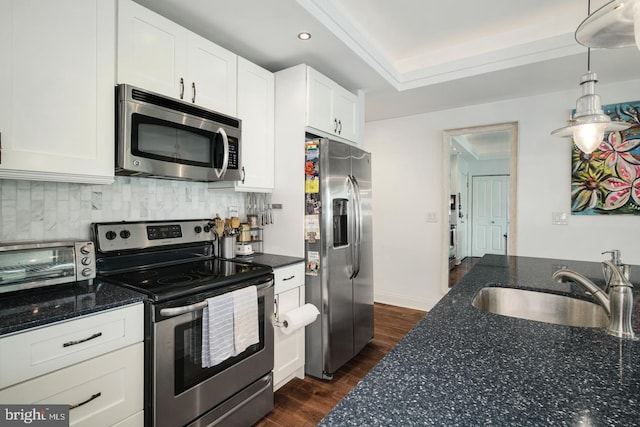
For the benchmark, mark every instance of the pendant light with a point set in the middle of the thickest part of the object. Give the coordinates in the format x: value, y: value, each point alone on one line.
x: 614, y: 25
x: 588, y: 124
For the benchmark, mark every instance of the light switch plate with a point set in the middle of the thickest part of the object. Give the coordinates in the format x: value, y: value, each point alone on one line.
x: 559, y: 218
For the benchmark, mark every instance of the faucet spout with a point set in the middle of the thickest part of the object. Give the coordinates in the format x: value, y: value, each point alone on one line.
x: 578, y: 278
x: 618, y: 304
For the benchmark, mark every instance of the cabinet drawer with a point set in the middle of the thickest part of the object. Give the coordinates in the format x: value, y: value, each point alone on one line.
x: 107, y: 389
x: 136, y: 420
x: 30, y: 354
x: 288, y: 277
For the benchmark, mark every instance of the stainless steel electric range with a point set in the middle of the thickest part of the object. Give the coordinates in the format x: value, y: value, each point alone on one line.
x: 172, y: 263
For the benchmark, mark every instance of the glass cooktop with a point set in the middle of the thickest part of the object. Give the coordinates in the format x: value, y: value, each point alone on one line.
x: 171, y: 281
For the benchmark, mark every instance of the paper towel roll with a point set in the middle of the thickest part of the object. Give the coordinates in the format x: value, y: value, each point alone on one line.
x: 298, y: 318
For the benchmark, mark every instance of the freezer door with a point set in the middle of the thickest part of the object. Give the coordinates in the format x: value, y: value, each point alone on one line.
x: 363, y: 280
x: 337, y: 235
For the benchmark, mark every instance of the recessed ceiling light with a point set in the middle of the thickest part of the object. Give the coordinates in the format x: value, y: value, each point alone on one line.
x: 304, y: 36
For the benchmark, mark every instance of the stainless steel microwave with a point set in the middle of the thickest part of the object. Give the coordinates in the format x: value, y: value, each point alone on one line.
x: 162, y: 137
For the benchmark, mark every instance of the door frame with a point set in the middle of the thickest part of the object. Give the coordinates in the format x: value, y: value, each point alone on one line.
x: 447, y: 134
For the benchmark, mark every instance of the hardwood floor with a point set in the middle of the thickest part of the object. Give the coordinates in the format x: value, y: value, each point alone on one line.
x: 460, y: 270
x: 305, y: 402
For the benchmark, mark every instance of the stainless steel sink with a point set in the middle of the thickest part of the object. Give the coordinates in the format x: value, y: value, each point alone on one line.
x: 540, y: 306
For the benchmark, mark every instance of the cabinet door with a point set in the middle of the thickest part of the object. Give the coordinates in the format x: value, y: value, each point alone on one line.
x: 151, y: 51
x: 345, y: 109
x: 103, y: 391
x: 211, y: 75
x: 256, y: 101
x: 56, y: 95
x: 320, y: 102
x: 288, y: 356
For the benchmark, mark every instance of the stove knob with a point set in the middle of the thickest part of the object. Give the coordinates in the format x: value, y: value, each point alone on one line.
x: 110, y: 235
x: 125, y: 234
x: 198, y: 229
x: 207, y: 229
x: 85, y: 260
x: 85, y: 250
x: 86, y: 272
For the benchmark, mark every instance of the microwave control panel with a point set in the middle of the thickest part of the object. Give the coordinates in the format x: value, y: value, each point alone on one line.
x: 233, y: 154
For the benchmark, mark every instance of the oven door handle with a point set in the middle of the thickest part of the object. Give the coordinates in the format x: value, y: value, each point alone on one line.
x: 175, y: 311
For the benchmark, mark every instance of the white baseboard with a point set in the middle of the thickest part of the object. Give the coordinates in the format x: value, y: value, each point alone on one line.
x: 404, y: 301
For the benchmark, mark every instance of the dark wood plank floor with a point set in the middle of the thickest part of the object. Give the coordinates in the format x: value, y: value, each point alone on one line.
x: 461, y: 269
x: 306, y: 402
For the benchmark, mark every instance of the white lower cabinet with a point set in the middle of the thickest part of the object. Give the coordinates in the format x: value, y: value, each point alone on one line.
x: 288, y: 361
x: 93, y: 363
x: 39, y: 351
x: 101, y: 391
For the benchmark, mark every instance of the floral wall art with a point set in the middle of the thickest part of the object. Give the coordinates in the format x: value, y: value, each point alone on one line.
x: 607, y: 181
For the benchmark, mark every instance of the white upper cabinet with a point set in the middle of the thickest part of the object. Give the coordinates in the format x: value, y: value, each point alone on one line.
x: 330, y: 107
x: 256, y: 109
x: 57, y: 90
x: 159, y: 55
x: 151, y: 50
x: 211, y: 75
x: 256, y: 104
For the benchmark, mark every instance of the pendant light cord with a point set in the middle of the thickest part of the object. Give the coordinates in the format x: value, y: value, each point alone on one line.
x: 588, y: 48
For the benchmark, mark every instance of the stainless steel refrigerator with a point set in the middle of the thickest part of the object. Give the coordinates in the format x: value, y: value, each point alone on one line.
x: 339, y: 255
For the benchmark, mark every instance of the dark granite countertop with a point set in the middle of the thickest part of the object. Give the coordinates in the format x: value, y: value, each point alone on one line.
x: 460, y: 366
x: 38, y: 307
x: 270, y: 260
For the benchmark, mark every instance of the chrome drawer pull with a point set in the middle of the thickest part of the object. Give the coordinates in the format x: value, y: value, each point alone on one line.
x: 70, y: 343
x: 94, y: 397
x: 289, y: 278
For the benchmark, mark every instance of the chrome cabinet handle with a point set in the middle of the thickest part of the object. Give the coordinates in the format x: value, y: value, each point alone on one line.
x: 70, y: 343
x: 93, y: 397
x: 193, y: 90
x: 181, y: 88
x: 339, y: 126
x: 289, y: 278
x: 335, y: 125
x: 244, y: 174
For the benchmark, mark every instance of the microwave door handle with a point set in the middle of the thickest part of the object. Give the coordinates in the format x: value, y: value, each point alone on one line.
x: 225, y: 160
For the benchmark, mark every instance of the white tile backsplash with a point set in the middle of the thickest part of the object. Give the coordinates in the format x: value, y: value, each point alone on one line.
x: 33, y: 210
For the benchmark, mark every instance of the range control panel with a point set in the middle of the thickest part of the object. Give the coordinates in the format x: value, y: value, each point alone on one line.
x: 118, y: 236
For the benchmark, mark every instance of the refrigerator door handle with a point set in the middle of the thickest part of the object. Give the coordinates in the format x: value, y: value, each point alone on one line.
x: 357, y: 226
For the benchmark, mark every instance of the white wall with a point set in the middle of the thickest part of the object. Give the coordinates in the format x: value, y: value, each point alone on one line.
x: 408, y: 183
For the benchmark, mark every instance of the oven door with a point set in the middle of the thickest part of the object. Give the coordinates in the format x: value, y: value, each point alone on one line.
x: 182, y: 390
x: 162, y: 137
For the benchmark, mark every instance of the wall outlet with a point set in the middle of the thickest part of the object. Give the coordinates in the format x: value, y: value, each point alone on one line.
x: 432, y: 216
x: 559, y: 218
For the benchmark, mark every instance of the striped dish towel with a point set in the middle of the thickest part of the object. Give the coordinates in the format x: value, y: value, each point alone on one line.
x: 245, y: 318
x: 217, y: 330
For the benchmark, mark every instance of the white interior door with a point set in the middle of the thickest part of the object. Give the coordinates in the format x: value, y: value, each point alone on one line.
x: 490, y: 207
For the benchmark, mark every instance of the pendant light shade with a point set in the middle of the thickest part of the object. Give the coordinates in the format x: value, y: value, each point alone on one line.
x: 614, y: 25
x: 588, y: 124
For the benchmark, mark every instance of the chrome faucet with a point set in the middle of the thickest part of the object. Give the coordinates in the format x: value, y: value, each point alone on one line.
x: 619, y: 303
